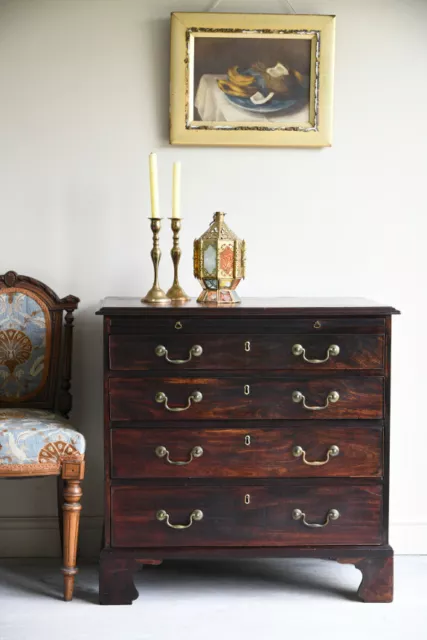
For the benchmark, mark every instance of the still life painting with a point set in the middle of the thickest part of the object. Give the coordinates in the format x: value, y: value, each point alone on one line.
x: 241, y: 79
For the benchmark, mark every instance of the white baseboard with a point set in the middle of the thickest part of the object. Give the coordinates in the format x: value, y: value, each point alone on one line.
x: 39, y: 537
x: 409, y: 538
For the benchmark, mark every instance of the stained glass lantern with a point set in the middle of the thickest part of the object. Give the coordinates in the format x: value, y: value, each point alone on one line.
x: 219, y: 263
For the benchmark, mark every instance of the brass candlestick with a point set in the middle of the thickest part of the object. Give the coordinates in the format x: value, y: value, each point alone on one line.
x: 176, y: 292
x: 156, y: 295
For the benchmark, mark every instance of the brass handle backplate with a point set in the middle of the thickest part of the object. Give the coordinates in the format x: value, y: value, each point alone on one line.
x: 195, y: 516
x: 332, y: 397
x: 162, y: 452
x: 332, y: 350
x: 333, y: 451
x: 162, y: 398
x: 196, y: 351
x: 333, y: 514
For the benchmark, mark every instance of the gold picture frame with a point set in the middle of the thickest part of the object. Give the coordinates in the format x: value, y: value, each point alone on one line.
x: 223, y: 93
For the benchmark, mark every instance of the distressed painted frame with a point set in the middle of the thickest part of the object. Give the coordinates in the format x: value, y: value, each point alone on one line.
x: 185, y: 27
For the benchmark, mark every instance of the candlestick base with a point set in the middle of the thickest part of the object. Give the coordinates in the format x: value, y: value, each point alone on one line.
x: 177, y: 294
x: 156, y: 296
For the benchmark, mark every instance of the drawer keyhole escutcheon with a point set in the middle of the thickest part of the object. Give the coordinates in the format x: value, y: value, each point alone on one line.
x: 333, y: 514
x: 162, y: 398
x: 247, y: 498
x: 332, y: 452
x: 162, y: 452
x: 332, y: 350
x: 246, y: 389
x: 247, y: 346
x: 317, y: 324
x: 195, y: 516
x: 248, y: 441
x: 332, y: 397
x: 178, y: 325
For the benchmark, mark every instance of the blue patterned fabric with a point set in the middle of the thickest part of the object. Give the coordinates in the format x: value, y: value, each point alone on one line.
x: 31, y: 436
x: 24, y: 339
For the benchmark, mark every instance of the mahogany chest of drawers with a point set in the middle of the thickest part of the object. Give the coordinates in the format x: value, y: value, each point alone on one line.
x: 260, y: 430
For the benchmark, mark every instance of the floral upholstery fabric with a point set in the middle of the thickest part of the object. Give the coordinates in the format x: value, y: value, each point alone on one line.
x: 24, y: 339
x: 35, y: 437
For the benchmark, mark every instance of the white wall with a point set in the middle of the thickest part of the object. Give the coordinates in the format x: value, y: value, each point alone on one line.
x: 84, y: 99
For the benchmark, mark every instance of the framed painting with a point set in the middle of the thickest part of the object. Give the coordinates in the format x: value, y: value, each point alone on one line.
x: 251, y: 79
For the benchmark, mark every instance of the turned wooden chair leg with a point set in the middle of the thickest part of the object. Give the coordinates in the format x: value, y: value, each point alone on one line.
x: 59, y: 494
x: 72, y: 475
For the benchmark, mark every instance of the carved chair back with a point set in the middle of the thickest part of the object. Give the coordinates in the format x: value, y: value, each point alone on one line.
x: 35, y: 345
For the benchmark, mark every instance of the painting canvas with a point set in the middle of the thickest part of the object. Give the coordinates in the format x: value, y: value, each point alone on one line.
x: 239, y: 79
x: 254, y: 80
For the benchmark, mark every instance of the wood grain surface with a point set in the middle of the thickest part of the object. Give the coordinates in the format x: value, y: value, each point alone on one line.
x: 135, y: 352
x: 224, y: 398
x: 228, y: 520
x: 246, y: 453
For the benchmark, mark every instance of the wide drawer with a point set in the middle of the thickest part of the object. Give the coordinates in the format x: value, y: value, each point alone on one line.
x: 247, y: 453
x: 249, y: 398
x: 245, y: 351
x: 211, y: 322
x: 251, y: 515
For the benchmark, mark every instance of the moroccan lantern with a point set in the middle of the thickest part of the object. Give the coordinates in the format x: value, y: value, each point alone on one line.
x: 219, y: 263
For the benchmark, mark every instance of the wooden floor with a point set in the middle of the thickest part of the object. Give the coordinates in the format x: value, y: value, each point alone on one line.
x: 253, y: 600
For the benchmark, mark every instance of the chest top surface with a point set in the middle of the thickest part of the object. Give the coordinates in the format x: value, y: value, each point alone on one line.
x: 291, y: 306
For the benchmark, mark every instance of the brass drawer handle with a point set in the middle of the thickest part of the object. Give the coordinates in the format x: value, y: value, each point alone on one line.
x: 195, y: 516
x: 161, y: 398
x: 333, y: 514
x: 162, y: 452
x: 333, y: 451
x: 196, y: 351
x: 332, y: 350
x: 332, y: 397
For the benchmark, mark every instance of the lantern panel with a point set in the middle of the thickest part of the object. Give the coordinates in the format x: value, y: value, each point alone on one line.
x: 209, y: 260
x: 226, y: 261
x: 211, y: 284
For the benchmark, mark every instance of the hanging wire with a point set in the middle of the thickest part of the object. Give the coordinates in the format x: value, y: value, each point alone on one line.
x: 214, y: 5
x: 289, y: 5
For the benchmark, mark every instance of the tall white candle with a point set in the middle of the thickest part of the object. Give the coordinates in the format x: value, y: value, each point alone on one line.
x: 154, y: 186
x: 176, y: 190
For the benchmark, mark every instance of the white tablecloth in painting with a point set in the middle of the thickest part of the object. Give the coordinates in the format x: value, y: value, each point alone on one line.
x: 213, y: 106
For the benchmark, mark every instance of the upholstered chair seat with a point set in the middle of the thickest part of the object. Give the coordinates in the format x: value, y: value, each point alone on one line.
x: 35, y: 441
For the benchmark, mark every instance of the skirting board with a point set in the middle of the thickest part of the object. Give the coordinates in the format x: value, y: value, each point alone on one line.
x: 39, y: 537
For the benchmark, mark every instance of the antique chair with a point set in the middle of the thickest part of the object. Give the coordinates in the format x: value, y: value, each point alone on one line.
x: 36, y: 438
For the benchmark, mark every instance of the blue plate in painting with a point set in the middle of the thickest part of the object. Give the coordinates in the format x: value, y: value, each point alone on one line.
x: 272, y: 106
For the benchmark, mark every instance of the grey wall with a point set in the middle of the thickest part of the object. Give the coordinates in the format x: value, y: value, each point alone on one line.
x: 84, y: 99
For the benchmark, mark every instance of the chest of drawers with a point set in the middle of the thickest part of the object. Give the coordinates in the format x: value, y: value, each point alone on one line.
x: 260, y: 430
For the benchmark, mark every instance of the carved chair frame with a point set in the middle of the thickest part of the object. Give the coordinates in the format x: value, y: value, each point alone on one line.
x: 54, y: 395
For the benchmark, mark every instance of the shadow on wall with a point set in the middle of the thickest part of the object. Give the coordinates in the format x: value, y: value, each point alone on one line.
x: 159, y: 38
x: 87, y: 413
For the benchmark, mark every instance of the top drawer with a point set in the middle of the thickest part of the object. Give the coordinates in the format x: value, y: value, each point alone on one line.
x: 133, y: 352
x: 179, y: 325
